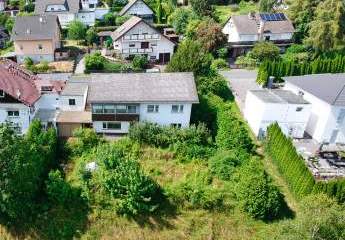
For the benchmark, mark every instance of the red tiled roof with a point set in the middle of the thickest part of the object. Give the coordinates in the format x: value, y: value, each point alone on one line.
x: 18, y: 82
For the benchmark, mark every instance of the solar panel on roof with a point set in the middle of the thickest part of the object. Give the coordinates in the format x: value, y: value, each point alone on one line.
x: 273, y: 16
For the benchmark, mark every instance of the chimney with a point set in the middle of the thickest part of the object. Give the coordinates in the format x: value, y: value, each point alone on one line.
x: 270, y: 82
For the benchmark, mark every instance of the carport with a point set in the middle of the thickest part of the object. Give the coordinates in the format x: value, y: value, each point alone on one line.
x: 68, y: 121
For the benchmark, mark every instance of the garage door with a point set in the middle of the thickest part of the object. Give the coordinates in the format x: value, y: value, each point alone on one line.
x: 66, y: 129
x: 164, y: 57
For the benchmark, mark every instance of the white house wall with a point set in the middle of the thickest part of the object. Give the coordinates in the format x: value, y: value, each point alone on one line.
x: 98, y: 127
x: 79, y: 103
x: 23, y: 119
x: 253, y: 112
x: 165, y: 115
x: 139, y: 8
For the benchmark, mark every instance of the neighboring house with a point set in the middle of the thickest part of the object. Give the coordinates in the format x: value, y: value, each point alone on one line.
x: 326, y: 93
x: 136, y: 36
x: 244, y: 31
x: 4, y: 37
x: 24, y: 97
x: 36, y: 37
x: 85, y: 11
x: 11, y: 10
x: 266, y: 106
x: 111, y: 102
x: 2, y: 5
x: 138, y: 8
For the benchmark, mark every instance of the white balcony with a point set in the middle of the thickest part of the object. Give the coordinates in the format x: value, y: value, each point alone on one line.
x: 140, y: 37
x: 137, y: 50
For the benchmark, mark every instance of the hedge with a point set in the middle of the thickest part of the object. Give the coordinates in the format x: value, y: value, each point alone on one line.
x: 293, y: 168
x: 279, y: 69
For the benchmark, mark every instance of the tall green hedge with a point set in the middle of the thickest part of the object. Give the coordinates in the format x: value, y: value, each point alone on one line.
x: 293, y: 168
x: 279, y: 69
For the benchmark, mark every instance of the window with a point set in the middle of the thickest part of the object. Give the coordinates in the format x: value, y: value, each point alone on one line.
x: 176, y: 125
x: 40, y: 47
x: 46, y: 88
x: 132, y: 45
x: 153, y: 44
x: 267, y: 38
x: 97, y: 108
x: 131, y: 109
x: 121, y: 109
x: 91, y: 5
x: 109, y: 108
x: 153, y: 58
x: 177, y: 108
x: 341, y: 116
x: 13, y: 113
x: 112, y: 125
x: 2, y: 94
x: 152, y: 108
x: 144, y: 45
x: 21, y: 47
x: 71, y: 102
x: 299, y: 109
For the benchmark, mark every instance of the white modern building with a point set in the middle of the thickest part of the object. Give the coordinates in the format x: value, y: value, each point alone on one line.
x: 243, y: 31
x: 136, y: 36
x: 326, y: 93
x: 264, y: 107
x: 138, y: 8
x: 85, y: 11
x: 111, y: 102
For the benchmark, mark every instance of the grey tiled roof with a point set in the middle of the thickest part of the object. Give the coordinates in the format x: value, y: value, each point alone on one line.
x: 278, y: 96
x: 327, y: 87
x: 124, y: 28
x: 72, y: 6
x: 75, y: 88
x: 128, y: 6
x: 246, y: 25
x: 139, y: 87
x: 35, y: 27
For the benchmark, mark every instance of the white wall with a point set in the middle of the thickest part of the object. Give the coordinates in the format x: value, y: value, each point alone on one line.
x: 100, y: 12
x: 165, y: 116
x: 55, y: 8
x: 48, y: 101
x: 24, y: 115
x: 260, y: 115
x: 139, y: 8
x: 98, y: 126
x: 88, y: 18
x: 66, y: 18
x: 79, y: 100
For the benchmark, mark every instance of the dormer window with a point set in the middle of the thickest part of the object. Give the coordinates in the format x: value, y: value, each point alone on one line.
x: 40, y: 47
x: 2, y: 94
x: 46, y: 88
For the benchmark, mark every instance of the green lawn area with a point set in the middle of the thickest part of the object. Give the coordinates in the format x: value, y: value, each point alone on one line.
x: 224, y: 12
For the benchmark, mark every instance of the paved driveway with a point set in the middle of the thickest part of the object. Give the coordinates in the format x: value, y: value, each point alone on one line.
x: 240, y: 81
x: 79, y: 69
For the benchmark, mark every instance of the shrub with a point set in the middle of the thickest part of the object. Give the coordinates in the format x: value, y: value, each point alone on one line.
x: 219, y: 63
x: 42, y: 67
x: 256, y: 192
x: 28, y: 62
x: 223, y: 52
x: 85, y: 140
x: 76, y: 30
x: 265, y: 51
x: 140, y: 62
x: 123, y: 179
x: 94, y: 62
x: 224, y: 163
x: 196, y: 191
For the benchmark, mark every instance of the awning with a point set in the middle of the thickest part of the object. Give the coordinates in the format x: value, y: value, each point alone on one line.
x: 74, y: 117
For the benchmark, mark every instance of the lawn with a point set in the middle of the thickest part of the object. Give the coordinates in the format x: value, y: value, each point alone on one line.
x: 223, y: 13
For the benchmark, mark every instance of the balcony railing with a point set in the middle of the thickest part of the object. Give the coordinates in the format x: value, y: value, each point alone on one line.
x: 137, y: 50
x: 139, y: 37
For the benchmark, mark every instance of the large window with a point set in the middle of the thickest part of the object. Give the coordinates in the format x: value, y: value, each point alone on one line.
x: 152, y: 108
x: 13, y: 113
x: 112, y: 125
x: 113, y: 109
x: 177, y: 108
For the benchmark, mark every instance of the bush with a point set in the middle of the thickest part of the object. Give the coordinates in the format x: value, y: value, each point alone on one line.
x: 256, y: 192
x: 219, y: 63
x: 76, y: 30
x: 265, y: 51
x: 94, y: 62
x: 85, y: 140
x: 123, y: 179
x: 28, y: 62
x: 224, y: 163
x: 140, y: 62
x: 196, y: 191
x: 42, y: 67
x: 223, y: 53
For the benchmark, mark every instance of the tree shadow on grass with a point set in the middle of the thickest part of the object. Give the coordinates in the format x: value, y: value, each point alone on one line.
x: 160, y: 219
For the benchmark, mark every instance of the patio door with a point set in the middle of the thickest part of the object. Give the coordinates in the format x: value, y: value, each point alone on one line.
x: 334, y: 136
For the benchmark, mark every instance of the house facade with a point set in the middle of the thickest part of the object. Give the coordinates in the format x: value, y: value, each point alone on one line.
x: 138, y: 37
x: 243, y: 31
x: 25, y: 97
x: 67, y: 11
x: 138, y: 8
x: 264, y: 107
x: 111, y: 102
x: 326, y: 94
x: 36, y: 37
